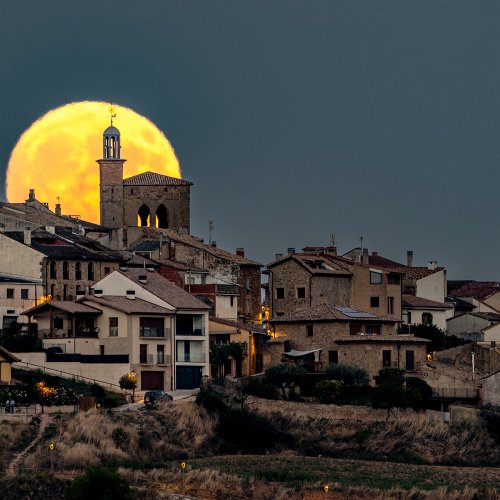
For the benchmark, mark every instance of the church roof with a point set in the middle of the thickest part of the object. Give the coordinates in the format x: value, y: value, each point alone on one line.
x: 111, y: 131
x: 154, y: 179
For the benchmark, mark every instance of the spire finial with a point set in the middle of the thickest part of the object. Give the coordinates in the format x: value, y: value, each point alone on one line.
x: 112, y: 112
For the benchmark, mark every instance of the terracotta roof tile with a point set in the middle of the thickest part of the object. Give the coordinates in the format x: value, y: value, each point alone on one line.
x: 126, y: 305
x: 154, y: 179
x: 413, y: 301
x: 479, y: 290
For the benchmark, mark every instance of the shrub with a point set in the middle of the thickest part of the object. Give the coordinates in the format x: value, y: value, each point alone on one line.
x: 491, y: 415
x: 212, y: 401
x: 120, y: 437
x: 419, y: 393
x: 285, y: 374
x: 261, y: 388
x: 390, y: 392
x: 97, y: 391
x: 328, y: 391
x: 348, y: 374
x: 98, y: 482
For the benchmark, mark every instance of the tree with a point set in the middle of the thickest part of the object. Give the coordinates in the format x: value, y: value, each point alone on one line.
x: 439, y: 339
x: 98, y: 482
x: 390, y: 392
x: 128, y: 382
x: 220, y: 353
x: 348, y: 374
x: 419, y: 393
x: 285, y: 377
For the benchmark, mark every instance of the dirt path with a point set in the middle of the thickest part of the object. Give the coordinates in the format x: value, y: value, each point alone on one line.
x: 11, y: 469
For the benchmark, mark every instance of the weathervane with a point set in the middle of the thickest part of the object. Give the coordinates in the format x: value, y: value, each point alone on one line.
x: 112, y: 112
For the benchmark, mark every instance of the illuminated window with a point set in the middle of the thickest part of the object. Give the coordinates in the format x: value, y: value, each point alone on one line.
x: 143, y: 216
x: 375, y: 278
x: 161, y: 217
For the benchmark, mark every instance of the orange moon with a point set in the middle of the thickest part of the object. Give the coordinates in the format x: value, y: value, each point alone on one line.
x: 57, y: 155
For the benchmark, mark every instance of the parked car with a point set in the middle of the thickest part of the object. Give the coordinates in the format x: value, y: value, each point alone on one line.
x: 152, y: 397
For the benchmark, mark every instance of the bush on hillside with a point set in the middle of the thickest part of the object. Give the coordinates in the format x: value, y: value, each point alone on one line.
x: 328, y: 391
x: 348, y: 374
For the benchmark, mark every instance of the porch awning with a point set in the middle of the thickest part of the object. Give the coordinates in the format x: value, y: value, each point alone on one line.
x: 300, y: 354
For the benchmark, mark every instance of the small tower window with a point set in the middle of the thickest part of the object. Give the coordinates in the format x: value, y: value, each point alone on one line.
x: 65, y: 270
x: 162, y: 217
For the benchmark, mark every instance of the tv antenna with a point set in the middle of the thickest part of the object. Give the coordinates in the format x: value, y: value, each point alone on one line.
x: 211, y: 227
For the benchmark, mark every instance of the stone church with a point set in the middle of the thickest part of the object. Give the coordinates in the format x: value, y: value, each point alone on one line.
x: 146, y: 200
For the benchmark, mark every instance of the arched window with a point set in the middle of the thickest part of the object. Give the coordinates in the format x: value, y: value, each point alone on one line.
x: 162, y: 217
x: 53, y: 270
x: 91, y: 271
x: 65, y: 270
x: 78, y: 271
x: 143, y: 216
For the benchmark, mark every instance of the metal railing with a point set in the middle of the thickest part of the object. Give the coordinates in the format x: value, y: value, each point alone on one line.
x: 156, y: 359
x: 154, y: 332
x: 191, y: 332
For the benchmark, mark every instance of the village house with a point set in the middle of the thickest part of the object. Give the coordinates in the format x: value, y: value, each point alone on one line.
x: 6, y: 360
x: 325, y: 333
x: 475, y: 326
x: 64, y: 262
x: 318, y: 276
x: 484, y: 296
x: 417, y: 310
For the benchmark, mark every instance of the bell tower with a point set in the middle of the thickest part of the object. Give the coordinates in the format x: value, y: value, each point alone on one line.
x: 111, y: 177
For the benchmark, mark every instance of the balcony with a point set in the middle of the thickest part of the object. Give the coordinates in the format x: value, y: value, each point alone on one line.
x: 154, y: 332
x: 197, y: 357
x: 61, y: 333
x: 159, y: 358
x: 191, y: 332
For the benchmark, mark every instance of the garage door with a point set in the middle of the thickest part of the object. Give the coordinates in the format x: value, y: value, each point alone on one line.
x: 151, y: 381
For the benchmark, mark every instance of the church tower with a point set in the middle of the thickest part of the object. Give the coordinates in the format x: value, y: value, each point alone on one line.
x: 111, y: 178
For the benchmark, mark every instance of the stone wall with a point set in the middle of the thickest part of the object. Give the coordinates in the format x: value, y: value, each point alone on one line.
x: 176, y: 199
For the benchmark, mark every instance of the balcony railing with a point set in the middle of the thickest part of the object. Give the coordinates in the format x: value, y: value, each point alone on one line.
x: 146, y: 331
x: 199, y: 332
x: 61, y: 333
x: 198, y: 357
x: 156, y: 359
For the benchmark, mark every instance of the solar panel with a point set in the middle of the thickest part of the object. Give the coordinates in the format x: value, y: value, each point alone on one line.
x: 351, y: 313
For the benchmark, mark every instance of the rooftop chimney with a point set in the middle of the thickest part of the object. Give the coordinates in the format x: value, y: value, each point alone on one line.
x: 365, y: 259
x: 97, y: 293
x: 131, y: 294
x: 331, y: 250
x: 31, y: 196
x: 58, y: 209
x: 432, y: 265
x: 374, y: 254
x: 213, y: 244
x: 143, y: 278
x: 291, y: 250
x: 50, y: 229
x: 409, y: 258
x: 279, y: 255
x: 27, y: 235
x: 240, y: 251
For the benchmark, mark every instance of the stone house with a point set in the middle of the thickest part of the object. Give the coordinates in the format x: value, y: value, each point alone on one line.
x: 319, y: 276
x: 234, y: 279
x: 484, y: 296
x: 346, y: 336
x: 65, y: 262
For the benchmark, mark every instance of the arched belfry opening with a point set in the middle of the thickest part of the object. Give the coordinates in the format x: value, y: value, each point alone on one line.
x: 143, y: 216
x: 162, y: 217
x: 111, y: 144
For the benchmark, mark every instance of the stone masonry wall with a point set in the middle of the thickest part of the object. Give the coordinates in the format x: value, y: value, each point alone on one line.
x: 176, y: 200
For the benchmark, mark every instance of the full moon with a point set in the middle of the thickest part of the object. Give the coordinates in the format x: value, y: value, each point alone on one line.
x: 57, y: 155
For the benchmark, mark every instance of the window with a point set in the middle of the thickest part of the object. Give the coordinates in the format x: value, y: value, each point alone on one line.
x: 333, y: 357
x: 410, y: 360
x: 231, y: 301
x: 52, y: 291
x: 386, y: 358
x: 375, y: 278
x: 107, y: 270
x: 309, y: 330
x: 409, y: 317
x: 53, y: 270
x: 78, y: 271
x: 301, y: 292
x: 151, y: 327
x: 280, y: 314
x: 143, y: 353
x: 25, y: 293
x: 65, y: 292
x: 280, y: 293
x: 8, y: 321
x: 160, y: 354
x: 58, y: 323
x: 10, y: 293
x: 248, y: 285
x: 113, y: 327
x: 427, y: 318
x: 91, y: 271
x: 390, y: 305
x: 374, y: 302
x: 65, y: 270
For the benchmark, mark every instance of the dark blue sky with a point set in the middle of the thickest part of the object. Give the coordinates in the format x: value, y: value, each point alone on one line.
x: 294, y: 119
